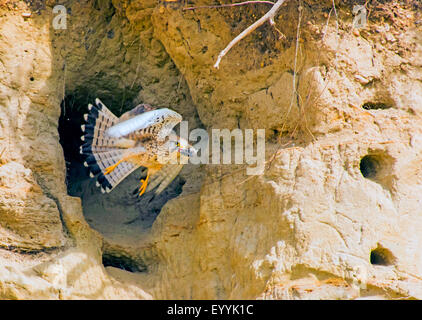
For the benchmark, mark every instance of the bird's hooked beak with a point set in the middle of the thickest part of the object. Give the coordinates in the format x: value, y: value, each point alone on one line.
x: 188, y: 151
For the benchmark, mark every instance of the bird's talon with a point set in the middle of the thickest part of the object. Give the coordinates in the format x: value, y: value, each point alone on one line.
x: 111, y: 168
x: 108, y: 170
x: 143, y: 186
x: 142, y: 190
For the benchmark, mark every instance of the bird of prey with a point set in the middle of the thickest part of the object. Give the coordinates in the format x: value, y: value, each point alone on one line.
x: 115, y: 147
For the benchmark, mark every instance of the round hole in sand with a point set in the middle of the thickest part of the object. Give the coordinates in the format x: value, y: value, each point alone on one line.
x: 369, y: 166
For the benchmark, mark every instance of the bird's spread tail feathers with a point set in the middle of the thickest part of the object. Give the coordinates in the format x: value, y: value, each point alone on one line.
x: 100, y: 150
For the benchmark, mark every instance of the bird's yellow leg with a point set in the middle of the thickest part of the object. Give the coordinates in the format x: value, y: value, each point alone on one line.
x: 111, y: 168
x: 144, y: 185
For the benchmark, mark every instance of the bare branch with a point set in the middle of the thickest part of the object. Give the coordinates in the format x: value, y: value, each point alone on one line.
x: 229, y: 5
x: 268, y: 16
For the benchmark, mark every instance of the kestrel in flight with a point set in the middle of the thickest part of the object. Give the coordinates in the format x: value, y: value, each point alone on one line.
x: 144, y: 136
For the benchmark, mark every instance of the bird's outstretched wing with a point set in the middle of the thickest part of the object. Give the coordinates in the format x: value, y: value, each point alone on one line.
x: 139, y: 109
x: 159, y: 122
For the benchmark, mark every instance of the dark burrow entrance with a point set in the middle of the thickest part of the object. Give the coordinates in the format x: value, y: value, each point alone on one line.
x: 119, y: 214
x: 378, y: 167
x: 382, y: 256
x: 123, y: 262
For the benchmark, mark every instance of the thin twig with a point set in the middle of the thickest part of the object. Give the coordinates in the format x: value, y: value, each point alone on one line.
x: 268, y: 16
x: 137, y: 65
x: 229, y: 5
x: 294, y: 85
x: 295, y: 60
x: 181, y: 78
x: 294, y: 93
x: 335, y: 11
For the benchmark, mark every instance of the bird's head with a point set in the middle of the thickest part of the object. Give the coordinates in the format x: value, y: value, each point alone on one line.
x: 176, y: 147
x: 181, y: 146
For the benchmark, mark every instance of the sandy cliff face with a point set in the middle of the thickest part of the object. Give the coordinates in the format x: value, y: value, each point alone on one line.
x: 336, y: 214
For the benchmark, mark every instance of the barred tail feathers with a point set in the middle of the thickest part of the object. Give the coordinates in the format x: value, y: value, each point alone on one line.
x: 101, y: 151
